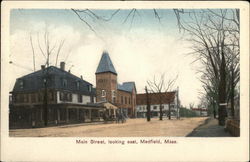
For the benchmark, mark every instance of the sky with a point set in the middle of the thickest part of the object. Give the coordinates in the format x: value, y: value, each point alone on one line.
x: 140, y: 47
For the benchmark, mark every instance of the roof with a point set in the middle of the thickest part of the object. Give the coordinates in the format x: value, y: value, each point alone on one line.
x: 167, y: 97
x: 34, y: 81
x: 126, y: 86
x: 105, y: 64
x: 105, y: 104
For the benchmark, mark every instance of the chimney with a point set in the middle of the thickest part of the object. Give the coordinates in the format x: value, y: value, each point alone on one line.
x: 81, y: 76
x: 42, y: 67
x: 62, y: 65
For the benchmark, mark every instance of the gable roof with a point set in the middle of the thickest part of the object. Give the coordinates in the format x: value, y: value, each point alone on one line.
x: 126, y: 86
x: 167, y: 97
x: 105, y: 64
x: 34, y: 81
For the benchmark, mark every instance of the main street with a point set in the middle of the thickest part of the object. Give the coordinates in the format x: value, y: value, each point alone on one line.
x: 132, y: 128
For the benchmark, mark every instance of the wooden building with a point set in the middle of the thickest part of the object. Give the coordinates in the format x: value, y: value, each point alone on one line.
x: 52, y: 96
x: 169, y: 101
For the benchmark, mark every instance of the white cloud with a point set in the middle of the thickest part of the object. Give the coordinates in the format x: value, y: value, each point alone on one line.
x: 137, y: 55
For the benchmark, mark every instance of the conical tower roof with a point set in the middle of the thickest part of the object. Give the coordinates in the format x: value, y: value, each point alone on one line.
x: 105, y: 64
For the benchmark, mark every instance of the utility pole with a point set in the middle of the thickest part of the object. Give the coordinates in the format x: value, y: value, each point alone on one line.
x: 45, y: 100
x: 148, y: 104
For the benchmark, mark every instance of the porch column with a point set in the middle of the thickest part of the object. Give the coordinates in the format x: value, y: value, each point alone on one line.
x: 58, y: 115
x: 98, y: 113
x: 77, y: 114
x: 67, y: 115
x: 90, y: 115
x: 115, y: 113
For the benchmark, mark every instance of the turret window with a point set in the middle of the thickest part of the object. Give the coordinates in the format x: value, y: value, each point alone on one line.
x: 103, y: 93
x: 113, y: 93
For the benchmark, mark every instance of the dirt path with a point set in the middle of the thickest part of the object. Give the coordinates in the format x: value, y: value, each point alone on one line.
x: 132, y: 128
x: 210, y: 129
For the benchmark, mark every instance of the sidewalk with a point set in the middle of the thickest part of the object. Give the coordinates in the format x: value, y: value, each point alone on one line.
x: 209, y: 128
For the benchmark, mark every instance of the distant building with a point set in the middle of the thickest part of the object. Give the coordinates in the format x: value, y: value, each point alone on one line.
x: 107, y: 89
x: 169, y: 103
x: 54, y: 96
x: 200, y: 111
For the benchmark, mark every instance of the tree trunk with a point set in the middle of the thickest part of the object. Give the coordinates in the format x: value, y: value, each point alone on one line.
x: 169, y: 112
x: 161, y: 114
x: 222, y: 92
x: 232, y: 94
x: 148, y: 105
x: 214, y: 110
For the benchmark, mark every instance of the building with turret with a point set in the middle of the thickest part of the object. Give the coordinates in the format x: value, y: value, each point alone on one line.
x: 107, y: 89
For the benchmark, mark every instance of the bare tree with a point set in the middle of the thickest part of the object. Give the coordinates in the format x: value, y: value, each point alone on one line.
x: 49, y: 47
x: 33, y: 52
x: 159, y: 87
x: 214, y: 34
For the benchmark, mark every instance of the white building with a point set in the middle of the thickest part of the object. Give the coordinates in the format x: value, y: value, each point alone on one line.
x: 169, y: 102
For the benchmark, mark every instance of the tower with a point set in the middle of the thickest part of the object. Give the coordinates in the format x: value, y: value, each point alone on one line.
x: 106, y: 80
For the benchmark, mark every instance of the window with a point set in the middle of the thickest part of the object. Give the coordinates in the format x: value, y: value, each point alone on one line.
x: 21, y: 84
x: 51, y: 96
x: 129, y: 100
x: 125, y: 100
x: 89, y: 88
x: 114, y: 100
x: 40, y: 96
x: 64, y: 82
x: 61, y: 96
x: 122, y: 99
x: 79, y: 98
x: 65, y: 96
x: 113, y: 93
x: 26, y: 97
x: 78, y: 85
x: 103, y: 93
x: 69, y: 97
x: 155, y: 107
x: 33, y: 98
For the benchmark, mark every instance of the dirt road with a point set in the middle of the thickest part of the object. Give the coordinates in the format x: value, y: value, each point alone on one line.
x: 132, y: 128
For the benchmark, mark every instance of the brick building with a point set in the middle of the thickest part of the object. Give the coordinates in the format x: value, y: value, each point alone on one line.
x: 169, y: 101
x: 107, y: 89
x: 52, y: 96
